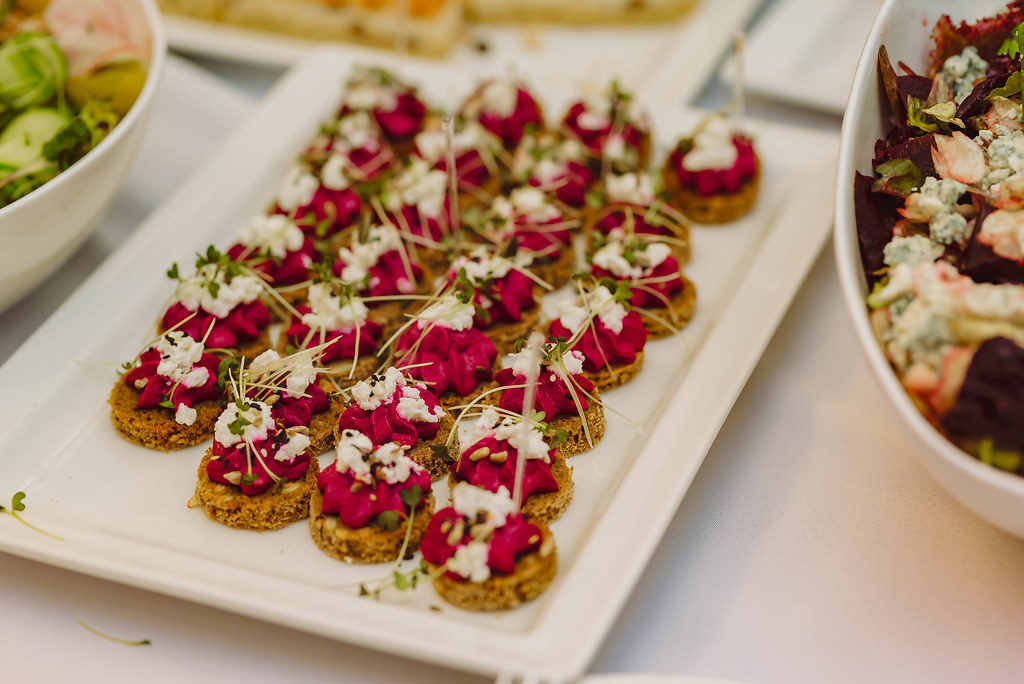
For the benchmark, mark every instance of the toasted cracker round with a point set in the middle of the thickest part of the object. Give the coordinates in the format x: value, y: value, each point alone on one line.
x: 556, y: 271
x: 678, y: 313
x: 533, y: 574
x: 323, y: 427
x: 619, y: 374
x: 505, y: 333
x: 425, y: 451
x: 280, y: 505
x: 369, y: 544
x: 712, y: 209
x: 156, y: 428
x: 577, y: 443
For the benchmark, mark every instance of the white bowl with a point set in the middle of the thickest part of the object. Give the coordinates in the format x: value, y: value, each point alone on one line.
x: 39, y: 231
x: 903, y: 26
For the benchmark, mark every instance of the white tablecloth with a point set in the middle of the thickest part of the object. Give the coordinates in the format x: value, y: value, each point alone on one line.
x: 811, y: 547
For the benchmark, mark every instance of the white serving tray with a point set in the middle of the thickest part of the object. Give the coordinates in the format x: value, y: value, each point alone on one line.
x: 121, y: 509
x: 805, y: 51
x: 637, y: 54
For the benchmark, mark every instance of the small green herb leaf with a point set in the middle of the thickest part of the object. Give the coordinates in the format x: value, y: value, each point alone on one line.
x: 388, y: 520
x: 899, y: 177
x: 411, y: 497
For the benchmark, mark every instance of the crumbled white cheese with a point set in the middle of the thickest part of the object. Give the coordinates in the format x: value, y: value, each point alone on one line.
x: 573, y: 362
x: 334, y: 172
x: 185, y: 415
x: 378, y: 389
x: 411, y: 406
x: 528, y: 440
x: 419, y: 185
x: 297, y: 188
x: 449, y: 312
x: 367, y: 90
x: 634, y: 188
x: 276, y: 234
x: 360, y: 257
x: 178, y: 354
x: 260, y: 422
x: 1004, y: 155
x: 599, y: 302
x: 713, y: 147
x: 911, y: 250
x: 432, y: 145
x: 470, y: 561
x: 961, y: 71
x: 470, y: 501
x: 328, y: 312
x: 482, y: 264
x: 395, y: 466
x: 357, y: 131
x: 935, y: 202
x: 294, y: 447
x: 498, y: 96
x: 194, y: 293
x: 527, y: 203
x: 354, y: 449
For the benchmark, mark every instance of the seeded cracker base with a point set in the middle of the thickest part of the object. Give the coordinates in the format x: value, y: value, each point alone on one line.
x: 576, y: 443
x: 155, y: 428
x: 682, y: 304
x: 369, y: 544
x: 278, y: 506
x: 532, y: 575
x: 549, y: 505
x: 604, y: 379
x: 505, y: 334
x: 719, y: 208
x: 450, y: 399
x: 323, y: 427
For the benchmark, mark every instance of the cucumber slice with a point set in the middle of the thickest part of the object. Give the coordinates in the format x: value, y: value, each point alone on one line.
x: 32, y: 69
x: 23, y: 139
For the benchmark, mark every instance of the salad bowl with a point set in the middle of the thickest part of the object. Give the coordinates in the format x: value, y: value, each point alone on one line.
x: 39, y: 231
x: 904, y: 27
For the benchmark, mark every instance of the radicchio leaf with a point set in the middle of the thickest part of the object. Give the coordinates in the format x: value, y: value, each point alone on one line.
x: 918, y: 150
x: 991, y: 401
x: 987, y: 34
x: 976, y: 103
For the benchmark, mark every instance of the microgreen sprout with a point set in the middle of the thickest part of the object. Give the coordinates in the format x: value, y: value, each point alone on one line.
x: 16, y: 507
x: 126, y: 642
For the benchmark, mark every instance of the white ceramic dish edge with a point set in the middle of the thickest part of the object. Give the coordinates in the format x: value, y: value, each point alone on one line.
x: 995, y: 495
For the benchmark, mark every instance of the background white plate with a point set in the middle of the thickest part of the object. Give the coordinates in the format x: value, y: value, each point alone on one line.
x: 121, y: 509
x: 805, y: 51
x: 637, y: 54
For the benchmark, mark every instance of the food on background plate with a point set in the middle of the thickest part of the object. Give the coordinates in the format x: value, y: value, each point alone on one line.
x: 941, y: 233
x: 576, y: 12
x: 714, y: 175
x: 67, y: 76
x: 485, y: 554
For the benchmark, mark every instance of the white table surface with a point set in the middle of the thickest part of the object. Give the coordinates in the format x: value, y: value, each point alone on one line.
x: 811, y: 547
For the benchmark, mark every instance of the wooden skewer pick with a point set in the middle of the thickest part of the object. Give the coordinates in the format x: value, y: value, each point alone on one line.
x: 533, y: 351
x: 448, y: 126
x: 738, y: 83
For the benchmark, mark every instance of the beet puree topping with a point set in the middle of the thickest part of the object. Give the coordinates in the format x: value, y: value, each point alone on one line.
x: 648, y: 267
x: 365, y: 482
x: 328, y: 317
x: 612, y: 335
x: 251, y: 452
x: 535, y: 222
x: 276, y: 247
x: 711, y: 181
x: 378, y: 265
x: 475, y: 149
x: 554, y: 397
x: 393, y: 103
x: 388, y: 409
x: 503, y: 291
x: 501, y: 536
x: 554, y: 166
x: 504, y: 108
x: 458, y: 357
x: 317, y: 208
x: 491, y: 459
x: 175, y: 369
x: 224, y: 311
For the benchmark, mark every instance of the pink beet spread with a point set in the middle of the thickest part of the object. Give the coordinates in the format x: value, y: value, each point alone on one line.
x: 508, y: 543
x: 570, y: 186
x: 664, y: 279
x: 606, y: 346
x: 553, y: 396
x: 389, y: 276
x: 385, y: 424
x: 719, y: 181
x: 328, y: 212
x: 511, y: 129
x: 409, y: 220
x: 158, y: 387
x: 234, y: 459
x: 537, y: 477
x: 596, y: 139
x: 502, y: 300
x: 242, y: 324
x: 293, y: 268
x: 292, y: 411
x: 362, y: 506
x: 457, y: 360
x: 621, y: 214
x: 344, y: 347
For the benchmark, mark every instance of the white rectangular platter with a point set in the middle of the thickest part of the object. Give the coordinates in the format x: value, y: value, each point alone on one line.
x: 121, y: 509
x: 805, y: 51
x: 634, y: 53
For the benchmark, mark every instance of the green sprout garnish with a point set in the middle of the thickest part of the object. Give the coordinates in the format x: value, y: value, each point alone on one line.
x: 16, y: 507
